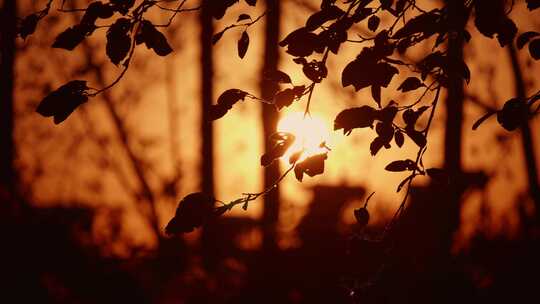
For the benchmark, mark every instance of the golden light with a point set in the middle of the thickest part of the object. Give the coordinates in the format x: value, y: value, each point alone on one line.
x: 310, y: 132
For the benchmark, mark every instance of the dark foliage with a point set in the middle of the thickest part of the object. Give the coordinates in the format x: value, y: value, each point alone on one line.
x: 287, y: 96
x: 226, y: 101
x: 410, y: 84
x: 282, y: 142
x: 64, y: 100
x: 313, y: 165
x: 28, y: 25
x: 362, y: 216
x: 513, y: 114
x: 243, y: 44
x: 118, y: 40
x: 192, y: 212
x: 153, y: 39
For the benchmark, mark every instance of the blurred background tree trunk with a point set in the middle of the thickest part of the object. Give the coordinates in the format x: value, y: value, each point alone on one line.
x: 270, y: 119
x: 453, y: 128
x: 207, y: 89
x: 527, y: 142
x: 7, y: 60
x: 208, y: 236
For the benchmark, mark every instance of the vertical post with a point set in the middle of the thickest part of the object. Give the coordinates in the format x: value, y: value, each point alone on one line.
x: 270, y: 119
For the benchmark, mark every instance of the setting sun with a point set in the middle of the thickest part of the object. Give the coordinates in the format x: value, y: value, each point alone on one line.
x: 310, y: 132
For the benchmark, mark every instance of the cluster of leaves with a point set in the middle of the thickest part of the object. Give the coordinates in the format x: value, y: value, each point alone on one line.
x: 129, y: 29
x: 328, y: 28
x: 375, y: 67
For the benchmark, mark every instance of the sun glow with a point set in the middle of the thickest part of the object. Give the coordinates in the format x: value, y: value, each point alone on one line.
x: 311, y: 133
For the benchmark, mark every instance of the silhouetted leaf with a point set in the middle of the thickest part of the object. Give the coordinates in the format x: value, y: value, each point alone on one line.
x: 277, y: 76
x: 349, y: 119
x: 122, y: 6
x: 153, y: 39
x: 513, y: 114
x: 482, y: 119
x: 335, y: 35
x: 97, y: 10
x: 410, y: 84
x: 376, y: 145
x: 361, y: 13
x: 217, y: 111
x: 418, y: 138
x: 401, y: 165
x: 315, y: 70
x: 430, y: 62
x: 425, y: 23
x: 534, y: 49
x: 282, y: 142
x: 373, y: 23
x: 491, y: 18
x: 383, y: 47
x: 524, y: 38
x: 28, y: 26
x: 225, y: 102
x: 243, y: 17
x: 385, y: 130
x: 286, y: 97
x: 388, y: 113
x: 218, y: 8
x: 533, y: 4
x: 301, y: 43
x: 380, y: 73
x: 71, y: 37
x: 64, y: 100
x: 118, y: 40
x: 192, y: 212
x: 243, y: 44
x: 410, y: 116
x: 313, y: 165
x: 399, y: 138
x: 354, y: 73
x: 319, y: 18
x: 384, y: 73
x: 362, y: 216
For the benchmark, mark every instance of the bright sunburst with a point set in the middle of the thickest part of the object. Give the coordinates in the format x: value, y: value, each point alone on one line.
x: 310, y: 133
